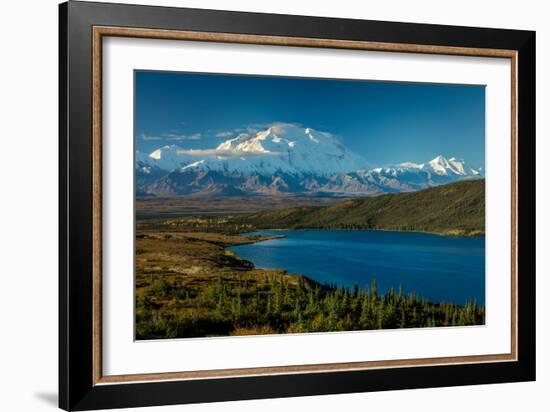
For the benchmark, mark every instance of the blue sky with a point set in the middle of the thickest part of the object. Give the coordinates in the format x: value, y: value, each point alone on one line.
x: 385, y: 122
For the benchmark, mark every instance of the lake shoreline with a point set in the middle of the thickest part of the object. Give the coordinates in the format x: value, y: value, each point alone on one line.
x: 190, y: 284
x: 388, y: 261
x: 444, y: 234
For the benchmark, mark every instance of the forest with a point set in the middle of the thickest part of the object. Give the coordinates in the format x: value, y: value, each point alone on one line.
x: 242, y: 307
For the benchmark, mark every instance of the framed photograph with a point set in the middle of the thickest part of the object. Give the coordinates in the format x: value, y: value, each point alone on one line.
x: 257, y: 206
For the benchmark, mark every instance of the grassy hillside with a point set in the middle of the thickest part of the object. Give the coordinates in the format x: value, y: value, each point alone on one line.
x: 454, y: 209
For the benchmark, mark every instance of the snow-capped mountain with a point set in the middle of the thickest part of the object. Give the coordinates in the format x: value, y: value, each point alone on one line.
x: 442, y: 166
x: 413, y: 176
x: 282, y: 148
x: 285, y: 158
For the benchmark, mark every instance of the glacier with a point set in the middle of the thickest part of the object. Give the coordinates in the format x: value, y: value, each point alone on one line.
x: 286, y: 158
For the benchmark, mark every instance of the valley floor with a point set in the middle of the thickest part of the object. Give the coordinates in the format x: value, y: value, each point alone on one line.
x: 174, y: 206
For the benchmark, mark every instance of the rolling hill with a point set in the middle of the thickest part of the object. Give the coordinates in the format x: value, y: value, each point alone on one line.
x: 453, y: 209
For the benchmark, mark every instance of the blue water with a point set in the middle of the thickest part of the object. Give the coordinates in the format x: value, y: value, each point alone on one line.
x: 439, y: 268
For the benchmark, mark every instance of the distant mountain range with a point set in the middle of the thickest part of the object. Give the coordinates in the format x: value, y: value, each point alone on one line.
x: 285, y: 159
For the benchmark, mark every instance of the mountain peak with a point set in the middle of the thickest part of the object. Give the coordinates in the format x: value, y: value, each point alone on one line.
x: 440, y: 159
x: 157, y: 154
x: 281, y: 147
x: 287, y: 157
x: 444, y: 166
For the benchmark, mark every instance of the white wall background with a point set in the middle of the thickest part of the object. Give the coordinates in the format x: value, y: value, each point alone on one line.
x: 28, y: 206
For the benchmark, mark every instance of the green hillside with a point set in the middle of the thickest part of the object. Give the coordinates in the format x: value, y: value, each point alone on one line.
x: 454, y: 209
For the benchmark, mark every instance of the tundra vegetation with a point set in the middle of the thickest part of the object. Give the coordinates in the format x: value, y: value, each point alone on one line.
x: 189, y: 285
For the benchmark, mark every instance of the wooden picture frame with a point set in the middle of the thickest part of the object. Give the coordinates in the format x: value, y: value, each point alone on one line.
x: 83, y: 26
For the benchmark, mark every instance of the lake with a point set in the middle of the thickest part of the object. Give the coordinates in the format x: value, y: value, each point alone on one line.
x: 438, y: 268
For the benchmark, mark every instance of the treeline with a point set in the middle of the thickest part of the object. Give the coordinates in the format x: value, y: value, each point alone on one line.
x: 166, y: 309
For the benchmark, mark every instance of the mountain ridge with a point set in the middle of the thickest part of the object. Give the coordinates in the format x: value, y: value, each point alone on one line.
x: 452, y: 209
x: 285, y: 158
